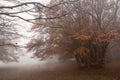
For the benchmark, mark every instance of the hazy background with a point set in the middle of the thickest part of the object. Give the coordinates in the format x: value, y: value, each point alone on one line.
x: 24, y: 29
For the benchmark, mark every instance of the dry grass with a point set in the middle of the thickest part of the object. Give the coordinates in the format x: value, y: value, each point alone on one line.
x: 64, y: 72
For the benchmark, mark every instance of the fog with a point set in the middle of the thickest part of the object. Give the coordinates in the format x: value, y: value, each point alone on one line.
x: 81, y: 56
x: 23, y: 29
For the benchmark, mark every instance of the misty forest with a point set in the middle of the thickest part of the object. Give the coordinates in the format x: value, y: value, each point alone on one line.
x: 59, y: 39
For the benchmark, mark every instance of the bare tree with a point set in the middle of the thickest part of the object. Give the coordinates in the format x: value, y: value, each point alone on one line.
x: 9, y: 15
x: 84, y: 32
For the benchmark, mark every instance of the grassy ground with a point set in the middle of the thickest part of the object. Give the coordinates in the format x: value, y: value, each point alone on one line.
x: 64, y: 72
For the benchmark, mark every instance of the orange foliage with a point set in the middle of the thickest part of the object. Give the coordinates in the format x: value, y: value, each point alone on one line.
x: 85, y: 32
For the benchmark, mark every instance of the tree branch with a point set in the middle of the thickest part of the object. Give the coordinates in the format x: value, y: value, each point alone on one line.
x: 22, y: 4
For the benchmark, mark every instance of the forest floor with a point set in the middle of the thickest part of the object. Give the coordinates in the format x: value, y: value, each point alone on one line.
x: 63, y: 71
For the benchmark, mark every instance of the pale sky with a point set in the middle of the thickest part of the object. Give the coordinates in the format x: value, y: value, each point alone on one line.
x: 24, y: 29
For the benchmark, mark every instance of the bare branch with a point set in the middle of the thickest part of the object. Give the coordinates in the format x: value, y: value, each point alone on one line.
x: 22, y: 4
